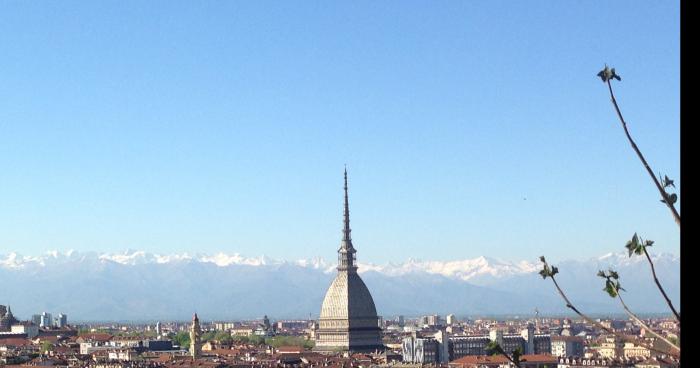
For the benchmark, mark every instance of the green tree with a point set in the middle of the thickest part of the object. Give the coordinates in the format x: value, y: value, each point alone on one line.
x: 239, y: 339
x: 278, y: 341
x: 256, y: 340
x: 46, y: 346
x: 223, y: 337
x: 207, y: 336
x: 182, y: 339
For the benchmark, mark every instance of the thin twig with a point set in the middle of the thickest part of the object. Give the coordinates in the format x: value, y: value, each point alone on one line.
x: 500, y: 350
x: 598, y: 324
x: 571, y: 306
x: 656, y: 280
x: 664, y: 195
x: 644, y: 325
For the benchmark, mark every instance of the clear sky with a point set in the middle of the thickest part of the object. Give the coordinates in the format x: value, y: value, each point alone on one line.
x: 469, y: 127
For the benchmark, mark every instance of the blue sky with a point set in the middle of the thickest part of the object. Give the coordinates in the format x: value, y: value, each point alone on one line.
x: 469, y: 127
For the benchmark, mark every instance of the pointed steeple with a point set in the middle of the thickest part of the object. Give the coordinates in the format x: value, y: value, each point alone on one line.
x: 346, y: 253
x: 347, y: 240
x: 195, y: 334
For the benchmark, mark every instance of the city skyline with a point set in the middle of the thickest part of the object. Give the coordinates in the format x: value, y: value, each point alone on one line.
x: 177, y: 181
x: 204, y: 127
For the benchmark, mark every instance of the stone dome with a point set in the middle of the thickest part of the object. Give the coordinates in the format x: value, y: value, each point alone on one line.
x: 348, y: 298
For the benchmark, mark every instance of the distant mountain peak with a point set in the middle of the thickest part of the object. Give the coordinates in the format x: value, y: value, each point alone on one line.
x: 136, y: 284
x: 465, y: 269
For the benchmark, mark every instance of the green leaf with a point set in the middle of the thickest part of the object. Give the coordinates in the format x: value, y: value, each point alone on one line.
x: 604, y: 74
x: 634, y: 245
x: 614, y: 75
x: 670, y: 198
x: 607, y: 74
x: 610, y: 289
x: 673, y: 198
x: 618, y: 287
x: 668, y: 182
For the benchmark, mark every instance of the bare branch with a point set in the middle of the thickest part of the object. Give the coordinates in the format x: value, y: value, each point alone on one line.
x: 666, y: 197
x: 494, y: 346
x: 663, y: 292
x: 644, y: 325
x: 546, y: 272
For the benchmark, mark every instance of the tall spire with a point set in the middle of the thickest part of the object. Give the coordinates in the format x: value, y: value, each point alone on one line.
x: 195, y: 338
x: 347, y: 240
x: 346, y: 253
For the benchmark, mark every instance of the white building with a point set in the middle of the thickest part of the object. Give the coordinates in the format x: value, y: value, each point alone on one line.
x: 91, y: 347
x: 46, y: 321
x: 567, y: 346
x: 61, y: 320
x: 122, y: 354
x: 28, y: 328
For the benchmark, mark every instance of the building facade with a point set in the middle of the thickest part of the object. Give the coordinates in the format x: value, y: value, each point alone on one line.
x: 28, y: 328
x: 61, y: 320
x: 46, y: 321
x: 460, y: 346
x: 566, y: 346
x: 421, y: 350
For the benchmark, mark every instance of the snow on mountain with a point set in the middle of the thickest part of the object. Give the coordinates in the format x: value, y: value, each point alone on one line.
x: 481, y: 270
x: 465, y: 270
x: 141, y: 285
x: 472, y: 270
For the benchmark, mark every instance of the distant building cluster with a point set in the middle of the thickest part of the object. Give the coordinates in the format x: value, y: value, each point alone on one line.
x: 46, y: 320
x: 443, y: 348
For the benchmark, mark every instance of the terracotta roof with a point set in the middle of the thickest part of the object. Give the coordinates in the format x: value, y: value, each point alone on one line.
x: 51, y: 339
x: 476, y: 359
x: 567, y: 338
x: 97, y: 336
x: 15, y: 342
x: 290, y: 349
x: 540, y: 358
x: 228, y: 352
x: 499, y: 359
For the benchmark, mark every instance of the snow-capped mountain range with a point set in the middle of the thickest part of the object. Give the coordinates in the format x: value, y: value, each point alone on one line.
x: 142, y: 285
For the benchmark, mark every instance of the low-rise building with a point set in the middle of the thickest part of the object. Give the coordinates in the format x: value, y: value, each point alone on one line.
x: 611, y: 348
x: 632, y: 350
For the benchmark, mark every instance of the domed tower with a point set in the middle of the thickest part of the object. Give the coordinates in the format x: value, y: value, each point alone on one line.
x: 348, y: 319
